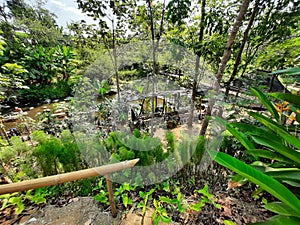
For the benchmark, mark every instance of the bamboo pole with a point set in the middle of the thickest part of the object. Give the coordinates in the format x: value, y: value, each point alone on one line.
x: 66, y: 177
x: 111, y: 197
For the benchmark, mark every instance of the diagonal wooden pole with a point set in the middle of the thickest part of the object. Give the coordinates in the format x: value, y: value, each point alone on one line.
x: 66, y: 177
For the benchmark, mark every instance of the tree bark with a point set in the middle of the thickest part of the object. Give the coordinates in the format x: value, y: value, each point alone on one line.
x: 197, y: 64
x: 154, y: 48
x: 239, y: 55
x: 225, y: 58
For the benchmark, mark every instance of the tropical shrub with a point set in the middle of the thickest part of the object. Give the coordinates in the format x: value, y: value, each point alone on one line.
x: 9, y: 74
x: 56, y: 90
x: 275, y: 145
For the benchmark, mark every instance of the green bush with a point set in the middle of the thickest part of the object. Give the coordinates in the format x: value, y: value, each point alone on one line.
x: 57, y: 90
x: 55, y: 155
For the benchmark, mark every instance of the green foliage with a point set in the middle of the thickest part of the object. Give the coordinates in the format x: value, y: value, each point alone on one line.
x: 147, y: 149
x: 12, y: 200
x: 174, y: 202
x: 131, y: 74
x: 16, y: 148
x: 7, y: 153
x: 263, y: 99
x: 56, y: 156
x: 206, y: 197
x: 171, y: 142
x: 276, y: 144
x: 266, y: 182
x: 34, y: 21
x: 160, y: 213
x: 122, y: 194
x: 281, y: 54
x: 17, y: 200
x: 102, y: 195
x: 51, y: 91
x: 145, y: 196
x: 43, y: 64
x: 9, y: 74
x: 190, y: 147
x: 178, y: 10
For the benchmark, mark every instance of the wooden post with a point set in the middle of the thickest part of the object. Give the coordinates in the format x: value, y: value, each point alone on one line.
x: 66, y: 177
x: 111, y: 196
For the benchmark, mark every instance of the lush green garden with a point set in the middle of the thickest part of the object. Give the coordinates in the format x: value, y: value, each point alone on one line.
x: 78, y: 78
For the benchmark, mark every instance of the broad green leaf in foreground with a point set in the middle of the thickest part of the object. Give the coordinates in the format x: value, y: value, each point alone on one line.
x: 285, y: 174
x: 264, y: 181
x: 277, y: 129
x: 264, y: 100
x: 253, y: 129
x: 288, y: 71
x: 278, y: 147
x: 269, y: 155
x: 291, y: 98
x: 240, y: 136
x: 280, y: 220
x: 281, y: 209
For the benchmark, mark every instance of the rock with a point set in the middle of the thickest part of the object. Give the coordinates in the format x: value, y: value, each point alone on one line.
x: 4, y: 106
x: 18, y: 110
x: 58, y: 115
x: 68, y: 99
x: 31, y: 220
x: 46, y: 110
x: 47, y: 101
x: 83, y: 211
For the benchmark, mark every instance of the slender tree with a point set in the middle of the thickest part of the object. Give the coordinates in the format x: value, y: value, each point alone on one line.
x: 111, y: 16
x: 225, y: 58
x: 197, y: 63
x: 241, y: 49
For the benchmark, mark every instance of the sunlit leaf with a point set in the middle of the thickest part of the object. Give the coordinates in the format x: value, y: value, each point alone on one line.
x: 278, y: 147
x: 291, y: 98
x: 277, y: 129
x: 264, y: 181
x: 240, y: 136
x: 266, y: 102
x: 280, y: 220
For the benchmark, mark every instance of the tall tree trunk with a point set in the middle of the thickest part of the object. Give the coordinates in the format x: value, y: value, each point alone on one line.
x: 115, y: 60
x: 154, y: 61
x: 225, y: 58
x: 239, y: 55
x: 197, y: 64
x: 154, y: 48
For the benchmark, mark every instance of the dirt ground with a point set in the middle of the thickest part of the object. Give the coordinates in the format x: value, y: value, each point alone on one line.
x: 81, y: 211
x: 237, y: 205
x: 86, y: 211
